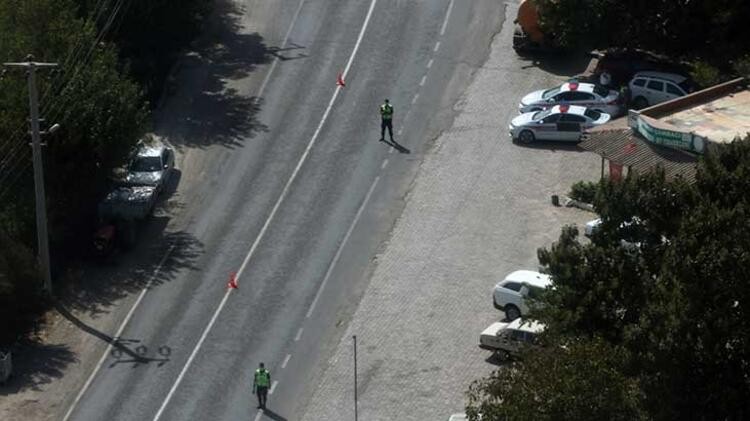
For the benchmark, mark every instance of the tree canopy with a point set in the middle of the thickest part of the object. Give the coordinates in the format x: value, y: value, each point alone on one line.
x: 111, y: 56
x: 709, y: 29
x: 656, y: 304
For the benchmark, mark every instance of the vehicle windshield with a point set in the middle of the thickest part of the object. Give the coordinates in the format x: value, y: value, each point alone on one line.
x: 549, y: 93
x: 146, y: 164
x: 594, y: 115
x: 541, y: 114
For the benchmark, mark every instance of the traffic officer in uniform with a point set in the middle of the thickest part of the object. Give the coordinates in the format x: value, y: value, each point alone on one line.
x: 261, y: 382
x: 386, y: 120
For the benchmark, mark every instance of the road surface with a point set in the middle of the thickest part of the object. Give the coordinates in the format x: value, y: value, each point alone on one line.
x: 283, y: 179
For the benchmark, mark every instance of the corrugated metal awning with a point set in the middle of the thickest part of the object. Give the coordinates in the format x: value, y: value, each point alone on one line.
x: 624, y: 147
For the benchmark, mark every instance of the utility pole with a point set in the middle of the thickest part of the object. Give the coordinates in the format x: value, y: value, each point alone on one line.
x: 36, y: 147
x: 354, y: 337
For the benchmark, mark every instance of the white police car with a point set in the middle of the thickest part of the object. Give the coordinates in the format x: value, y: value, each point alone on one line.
x: 573, y: 93
x: 561, y: 122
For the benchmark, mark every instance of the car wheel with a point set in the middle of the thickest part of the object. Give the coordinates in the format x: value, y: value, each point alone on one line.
x: 640, y: 103
x: 526, y: 137
x: 512, y: 312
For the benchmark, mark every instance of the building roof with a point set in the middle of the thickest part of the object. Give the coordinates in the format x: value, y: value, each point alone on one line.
x: 622, y: 146
x: 719, y: 114
x: 721, y: 120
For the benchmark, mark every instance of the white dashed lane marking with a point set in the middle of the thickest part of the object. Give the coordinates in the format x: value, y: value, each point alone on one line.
x: 299, y: 334
x: 286, y: 361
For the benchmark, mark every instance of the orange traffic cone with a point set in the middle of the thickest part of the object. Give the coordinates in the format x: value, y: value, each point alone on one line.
x: 232, y: 284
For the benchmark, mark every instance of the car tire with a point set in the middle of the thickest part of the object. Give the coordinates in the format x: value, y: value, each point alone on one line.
x: 526, y: 137
x: 640, y: 103
x: 512, y: 312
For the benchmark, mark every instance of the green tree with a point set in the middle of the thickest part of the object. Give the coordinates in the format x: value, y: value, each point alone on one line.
x: 663, y: 285
x: 710, y: 29
x: 582, y: 381
x: 102, y: 115
x: 101, y: 112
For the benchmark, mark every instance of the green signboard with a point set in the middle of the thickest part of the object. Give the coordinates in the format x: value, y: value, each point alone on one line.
x: 671, y: 138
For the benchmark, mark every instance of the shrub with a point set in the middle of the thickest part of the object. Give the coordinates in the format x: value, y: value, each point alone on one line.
x: 584, y: 191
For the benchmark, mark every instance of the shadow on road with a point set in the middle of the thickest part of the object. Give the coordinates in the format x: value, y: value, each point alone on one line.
x: 211, y: 106
x: 36, y: 364
x: 93, y: 289
x: 272, y: 415
x: 567, y: 65
x: 552, y: 146
x: 397, y: 146
x: 92, y: 331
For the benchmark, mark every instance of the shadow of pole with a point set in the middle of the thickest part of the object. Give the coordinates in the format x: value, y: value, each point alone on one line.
x: 90, y: 330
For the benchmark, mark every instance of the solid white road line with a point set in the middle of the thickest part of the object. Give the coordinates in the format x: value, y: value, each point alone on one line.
x: 445, y: 20
x: 117, y: 335
x: 276, y: 59
x: 263, y: 230
x: 341, y: 247
x: 286, y: 361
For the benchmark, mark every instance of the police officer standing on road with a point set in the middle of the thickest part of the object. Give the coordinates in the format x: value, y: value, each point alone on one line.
x: 261, y: 381
x: 386, y: 120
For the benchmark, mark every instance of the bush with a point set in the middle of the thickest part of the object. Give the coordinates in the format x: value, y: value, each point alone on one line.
x: 741, y: 67
x: 584, y: 191
x: 705, y: 75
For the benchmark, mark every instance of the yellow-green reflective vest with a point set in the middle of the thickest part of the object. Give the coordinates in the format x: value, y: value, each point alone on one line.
x: 386, y: 111
x: 262, y: 377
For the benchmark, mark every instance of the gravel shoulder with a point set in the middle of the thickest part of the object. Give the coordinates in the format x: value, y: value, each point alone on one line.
x: 478, y: 209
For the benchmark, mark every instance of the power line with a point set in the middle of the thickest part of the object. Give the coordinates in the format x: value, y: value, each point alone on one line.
x: 58, y: 107
x: 76, y: 63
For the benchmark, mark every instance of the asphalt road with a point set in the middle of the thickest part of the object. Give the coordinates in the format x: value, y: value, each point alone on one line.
x: 297, y: 178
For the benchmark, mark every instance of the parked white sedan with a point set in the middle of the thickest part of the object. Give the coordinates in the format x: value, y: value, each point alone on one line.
x: 561, y: 122
x: 586, y: 95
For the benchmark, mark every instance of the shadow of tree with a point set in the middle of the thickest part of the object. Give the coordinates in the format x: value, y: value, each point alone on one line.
x: 567, y: 65
x: 209, y: 108
x: 39, y: 365
x: 93, y: 289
